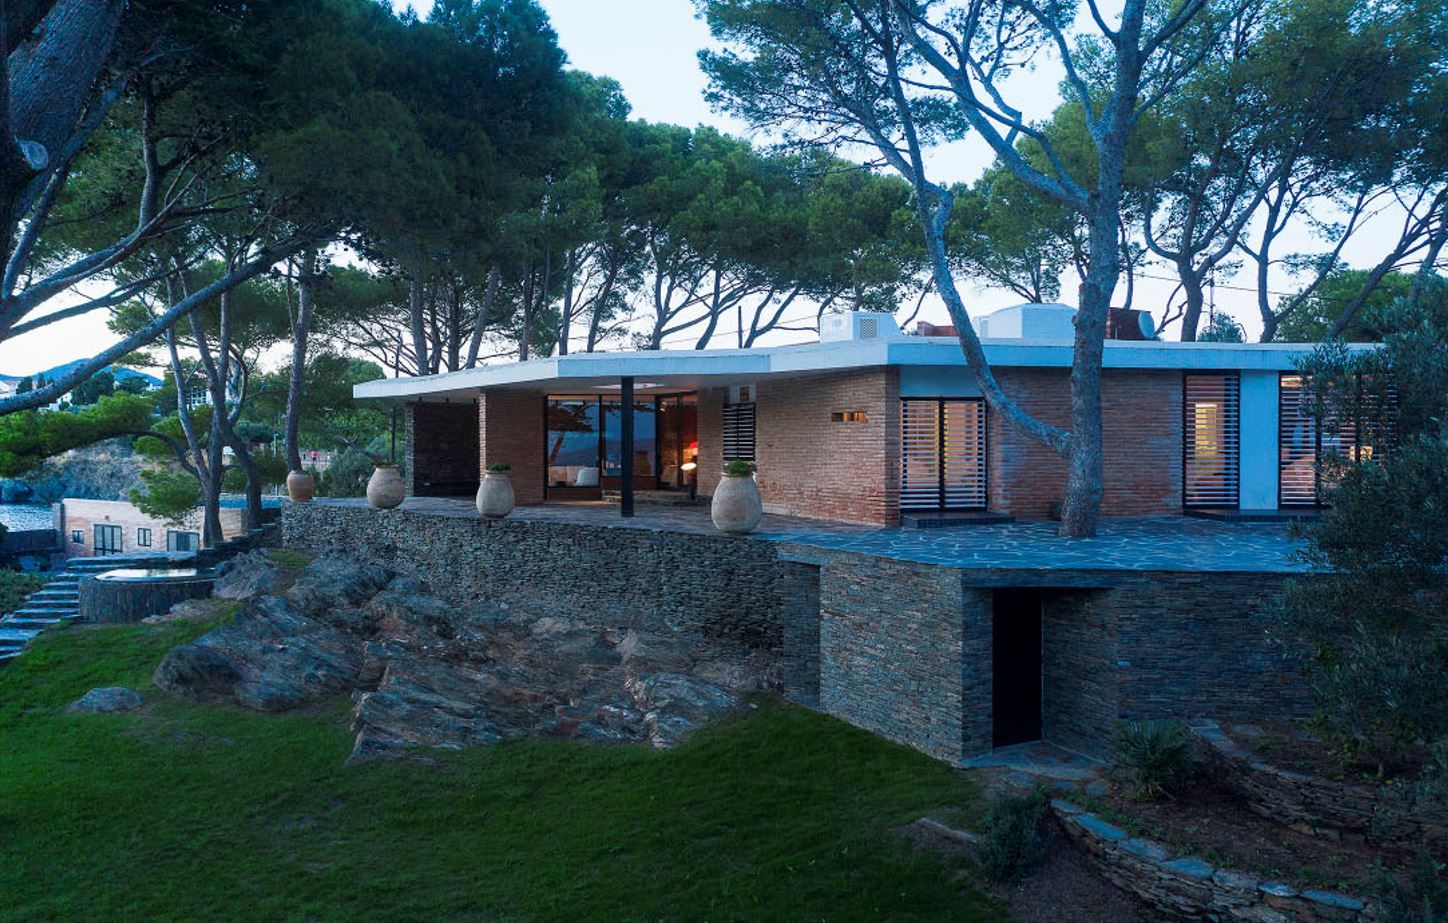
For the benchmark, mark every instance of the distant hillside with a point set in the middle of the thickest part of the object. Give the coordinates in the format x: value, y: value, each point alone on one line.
x: 120, y: 372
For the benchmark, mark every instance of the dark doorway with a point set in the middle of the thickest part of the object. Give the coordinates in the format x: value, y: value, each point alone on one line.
x: 1016, y: 667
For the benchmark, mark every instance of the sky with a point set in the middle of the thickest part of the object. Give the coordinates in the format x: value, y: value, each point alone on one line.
x: 650, y: 47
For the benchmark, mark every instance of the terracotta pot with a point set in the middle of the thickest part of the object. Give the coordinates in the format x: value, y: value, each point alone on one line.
x: 385, y: 489
x: 300, y: 485
x: 736, y: 506
x: 495, y: 495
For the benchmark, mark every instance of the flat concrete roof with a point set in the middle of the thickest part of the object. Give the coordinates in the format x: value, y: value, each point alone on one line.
x: 689, y: 369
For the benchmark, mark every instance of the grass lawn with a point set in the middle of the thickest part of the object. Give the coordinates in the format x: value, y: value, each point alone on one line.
x: 194, y: 812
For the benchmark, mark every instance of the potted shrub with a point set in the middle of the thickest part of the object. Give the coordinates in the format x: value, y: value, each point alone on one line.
x: 300, y: 485
x: 736, y: 506
x: 385, y: 489
x: 495, y: 494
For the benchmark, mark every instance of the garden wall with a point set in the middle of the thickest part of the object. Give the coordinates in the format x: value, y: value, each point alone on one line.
x: 727, y: 590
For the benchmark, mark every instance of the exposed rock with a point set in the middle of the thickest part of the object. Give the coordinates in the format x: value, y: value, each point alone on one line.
x: 425, y: 673
x: 675, y: 704
x: 198, y: 672
x: 188, y: 610
x: 106, y: 700
x: 247, y: 576
x: 334, y: 582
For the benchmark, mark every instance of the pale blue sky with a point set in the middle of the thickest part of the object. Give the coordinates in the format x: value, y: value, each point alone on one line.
x: 650, y: 47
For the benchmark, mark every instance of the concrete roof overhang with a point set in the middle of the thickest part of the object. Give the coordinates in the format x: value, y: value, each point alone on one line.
x: 688, y: 370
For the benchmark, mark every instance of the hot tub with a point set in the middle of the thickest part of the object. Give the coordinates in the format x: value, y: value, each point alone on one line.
x: 129, y: 594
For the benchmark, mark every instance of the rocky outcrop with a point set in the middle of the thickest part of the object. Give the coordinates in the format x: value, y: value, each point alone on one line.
x: 247, y: 576
x: 425, y: 673
x: 107, y: 700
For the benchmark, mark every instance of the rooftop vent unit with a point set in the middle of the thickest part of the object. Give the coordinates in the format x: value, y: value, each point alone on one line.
x: 1040, y: 323
x: 858, y: 325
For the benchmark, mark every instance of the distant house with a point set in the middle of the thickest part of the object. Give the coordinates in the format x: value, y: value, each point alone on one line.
x: 869, y: 425
x: 105, y: 527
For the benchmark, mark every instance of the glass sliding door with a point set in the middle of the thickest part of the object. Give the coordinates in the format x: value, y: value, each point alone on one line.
x: 571, y: 459
x: 942, y: 454
x: 1211, y: 439
x: 584, y: 444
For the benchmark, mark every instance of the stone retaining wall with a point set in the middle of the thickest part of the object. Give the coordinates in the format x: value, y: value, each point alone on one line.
x: 731, y: 591
x: 1194, y: 889
x: 1323, y: 807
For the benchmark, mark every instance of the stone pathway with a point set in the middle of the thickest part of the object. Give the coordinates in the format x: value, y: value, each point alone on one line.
x: 1024, y: 766
x: 1171, y: 543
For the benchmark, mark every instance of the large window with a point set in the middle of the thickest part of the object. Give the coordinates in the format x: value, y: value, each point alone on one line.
x: 182, y: 541
x: 1307, y: 451
x: 942, y: 454
x: 109, y: 539
x: 1211, y: 456
x: 584, y: 449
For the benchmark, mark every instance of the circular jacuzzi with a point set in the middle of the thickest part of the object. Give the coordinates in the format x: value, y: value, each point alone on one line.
x: 129, y: 594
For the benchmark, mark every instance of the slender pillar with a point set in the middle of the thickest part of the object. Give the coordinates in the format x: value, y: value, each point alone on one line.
x: 626, y: 437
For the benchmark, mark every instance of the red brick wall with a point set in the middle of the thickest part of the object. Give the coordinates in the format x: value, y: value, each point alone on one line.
x: 810, y: 465
x: 510, y: 430
x: 1141, y: 435
x: 711, y: 438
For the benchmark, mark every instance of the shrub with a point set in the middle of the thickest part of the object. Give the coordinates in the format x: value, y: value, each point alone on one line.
x: 739, y: 469
x: 1423, y: 898
x: 1374, y: 624
x: 1153, y: 759
x: 500, y: 467
x: 1012, y: 836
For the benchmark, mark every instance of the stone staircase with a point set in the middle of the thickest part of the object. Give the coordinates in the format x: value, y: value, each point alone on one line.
x: 58, y: 602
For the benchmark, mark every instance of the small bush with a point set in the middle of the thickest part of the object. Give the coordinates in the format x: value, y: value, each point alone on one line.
x: 739, y: 469
x: 1012, y: 836
x: 1423, y: 898
x: 500, y: 467
x: 1153, y: 759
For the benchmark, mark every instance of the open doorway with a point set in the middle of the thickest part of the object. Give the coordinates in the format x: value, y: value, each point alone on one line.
x: 1016, y: 667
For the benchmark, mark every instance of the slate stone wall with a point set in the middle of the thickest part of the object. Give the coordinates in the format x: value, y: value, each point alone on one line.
x: 1166, y: 645
x: 901, y: 647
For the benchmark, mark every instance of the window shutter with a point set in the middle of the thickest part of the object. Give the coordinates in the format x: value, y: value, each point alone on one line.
x: 1211, y: 434
x: 739, y: 432
x: 942, y: 454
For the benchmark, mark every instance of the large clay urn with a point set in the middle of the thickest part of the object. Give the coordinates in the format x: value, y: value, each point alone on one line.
x: 385, y: 489
x: 495, y: 495
x: 736, y: 506
x: 300, y: 486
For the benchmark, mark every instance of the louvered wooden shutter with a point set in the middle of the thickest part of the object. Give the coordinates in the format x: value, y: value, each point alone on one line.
x: 739, y: 432
x: 1296, y: 445
x: 919, y: 454
x: 942, y: 454
x: 1211, y: 433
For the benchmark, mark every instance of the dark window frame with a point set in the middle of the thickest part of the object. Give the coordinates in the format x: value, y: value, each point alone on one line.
x: 143, y: 537
x: 983, y: 410
x: 736, y: 443
x: 1235, y: 393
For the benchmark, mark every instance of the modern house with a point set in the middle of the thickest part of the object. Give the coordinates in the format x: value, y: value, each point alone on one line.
x: 870, y: 425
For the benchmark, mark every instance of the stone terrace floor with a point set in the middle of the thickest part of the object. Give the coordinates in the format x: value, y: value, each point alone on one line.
x: 1167, y: 543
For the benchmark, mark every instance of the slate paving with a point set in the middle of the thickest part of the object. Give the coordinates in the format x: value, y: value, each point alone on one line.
x: 1169, y: 543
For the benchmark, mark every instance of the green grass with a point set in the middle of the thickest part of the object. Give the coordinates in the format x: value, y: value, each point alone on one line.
x: 186, y: 812
x: 15, y: 586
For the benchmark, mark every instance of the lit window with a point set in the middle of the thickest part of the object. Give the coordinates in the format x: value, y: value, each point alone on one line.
x: 850, y: 416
